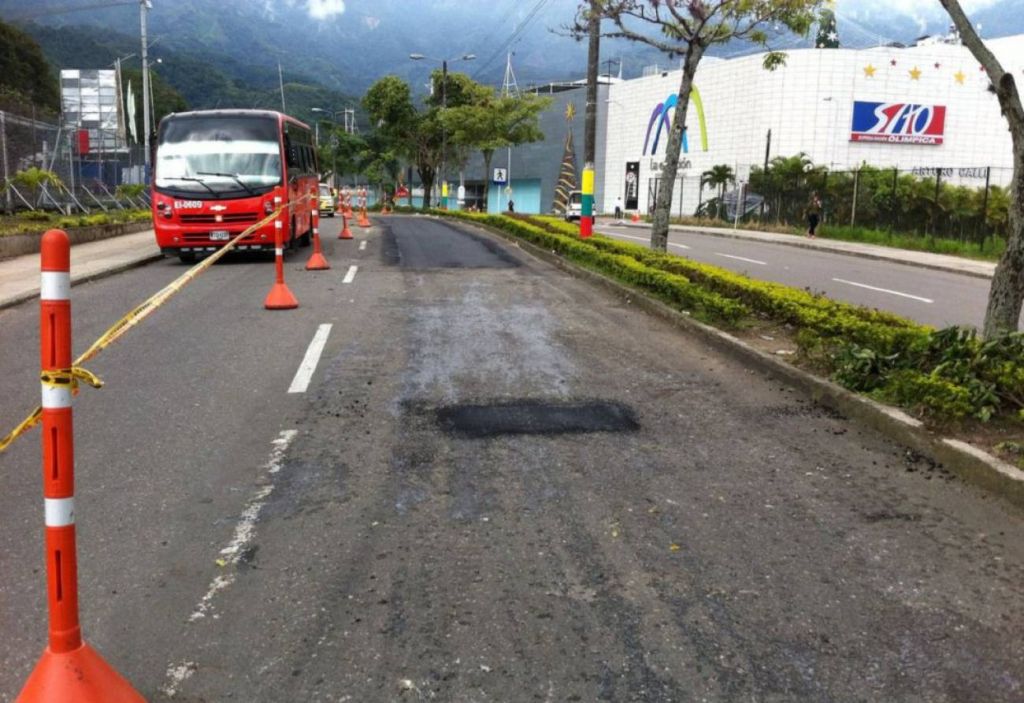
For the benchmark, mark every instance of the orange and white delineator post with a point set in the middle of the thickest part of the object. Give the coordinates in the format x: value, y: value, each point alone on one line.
x: 69, y: 670
x: 317, y: 262
x: 348, y: 204
x: 345, y: 233
x: 364, y: 221
x: 279, y: 297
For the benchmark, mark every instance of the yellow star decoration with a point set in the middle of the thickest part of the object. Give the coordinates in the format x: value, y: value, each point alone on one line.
x: 959, y: 77
x: 915, y: 74
x: 570, y: 112
x: 869, y: 71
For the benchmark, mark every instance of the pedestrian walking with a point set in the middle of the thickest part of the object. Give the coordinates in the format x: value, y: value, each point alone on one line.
x: 618, y: 208
x: 511, y: 206
x: 813, y: 216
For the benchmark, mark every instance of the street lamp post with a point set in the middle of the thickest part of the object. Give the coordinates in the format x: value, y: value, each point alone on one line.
x: 144, y: 6
x: 444, y: 127
x: 334, y: 151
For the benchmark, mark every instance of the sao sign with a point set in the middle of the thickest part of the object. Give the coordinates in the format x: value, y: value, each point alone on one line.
x: 898, y: 123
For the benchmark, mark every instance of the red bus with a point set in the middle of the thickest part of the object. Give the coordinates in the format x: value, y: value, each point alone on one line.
x: 218, y: 172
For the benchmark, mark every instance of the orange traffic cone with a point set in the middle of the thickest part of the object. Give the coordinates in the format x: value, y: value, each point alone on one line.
x: 279, y: 297
x: 364, y: 221
x: 635, y: 217
x: 317, y: 262
x: 346, y: 233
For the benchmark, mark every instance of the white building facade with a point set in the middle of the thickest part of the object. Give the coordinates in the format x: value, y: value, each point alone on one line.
x: 916, y: 109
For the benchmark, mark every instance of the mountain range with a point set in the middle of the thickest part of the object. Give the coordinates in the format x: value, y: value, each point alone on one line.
x: 344, y: 45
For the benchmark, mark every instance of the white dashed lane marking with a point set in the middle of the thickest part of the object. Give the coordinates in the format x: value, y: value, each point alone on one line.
x: 647, y: 240
x: 350, y: 275
x: 885, y: 290
x: 742, y: 258
x: 309, y: 362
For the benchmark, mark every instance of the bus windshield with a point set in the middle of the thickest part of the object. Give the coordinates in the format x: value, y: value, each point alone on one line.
x: 219, y: 154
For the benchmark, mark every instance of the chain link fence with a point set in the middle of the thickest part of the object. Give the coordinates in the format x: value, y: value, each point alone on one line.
x: 969, y: 205
x: 88, y: 180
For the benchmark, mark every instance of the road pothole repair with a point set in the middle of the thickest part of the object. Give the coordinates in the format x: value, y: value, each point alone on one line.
x: 535, y: 417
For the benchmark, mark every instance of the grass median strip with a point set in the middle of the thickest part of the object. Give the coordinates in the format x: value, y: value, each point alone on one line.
x: 951, y: 377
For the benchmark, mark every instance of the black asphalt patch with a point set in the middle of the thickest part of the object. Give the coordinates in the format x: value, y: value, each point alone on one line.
x: 535, y: 417
x: 422, y: 243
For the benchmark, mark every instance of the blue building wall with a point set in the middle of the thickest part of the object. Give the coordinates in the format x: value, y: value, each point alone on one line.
x: 526, y: 194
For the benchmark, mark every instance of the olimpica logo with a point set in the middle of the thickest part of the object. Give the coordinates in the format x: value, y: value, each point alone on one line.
x: 660, y: 120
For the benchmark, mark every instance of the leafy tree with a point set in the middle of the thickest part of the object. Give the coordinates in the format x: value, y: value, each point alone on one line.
x: 688, y: 28
x: 1006, y: 297
x: 409, y: 133
x: 493, y: 122
x: 24, y: 69
x: 341, y: 153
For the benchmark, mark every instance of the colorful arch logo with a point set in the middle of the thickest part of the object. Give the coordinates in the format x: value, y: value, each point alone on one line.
x: 660, y: 116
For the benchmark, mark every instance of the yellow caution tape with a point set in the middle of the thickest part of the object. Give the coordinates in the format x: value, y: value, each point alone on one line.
x: 76, y: 373
x: 70, y: 377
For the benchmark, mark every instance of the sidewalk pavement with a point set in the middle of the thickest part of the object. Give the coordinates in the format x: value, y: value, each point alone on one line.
x: 19, y: 277
x: 920, y: 259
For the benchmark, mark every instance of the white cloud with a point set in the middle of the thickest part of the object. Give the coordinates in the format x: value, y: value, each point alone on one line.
x: 324, y: 9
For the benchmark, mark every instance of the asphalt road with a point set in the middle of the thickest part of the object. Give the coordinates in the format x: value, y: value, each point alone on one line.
x: 501, y: 484
x: 931, y: 297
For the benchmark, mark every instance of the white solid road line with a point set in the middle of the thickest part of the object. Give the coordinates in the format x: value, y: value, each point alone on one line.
x: 245, y: 530
x: 305, y: 373
x: 742, y: 258
x: 362, y: 245
x: 885, y: 290
x: 351, y: 274
x: 648, y: 239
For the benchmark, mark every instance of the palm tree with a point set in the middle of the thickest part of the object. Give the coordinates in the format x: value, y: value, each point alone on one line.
x: 718, y: 177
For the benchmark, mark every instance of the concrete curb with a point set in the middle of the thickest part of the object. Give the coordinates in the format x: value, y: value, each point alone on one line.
x: 973, y: 465
x: 119, y: 267
x: 797, y: 243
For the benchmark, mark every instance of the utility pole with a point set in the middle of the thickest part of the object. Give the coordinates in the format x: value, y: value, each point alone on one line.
x: 144, y: 7
x: 767, y: 155
x: 590, y: 119
x: 509, y: 88
x: 444, y: 135
x: 280, y: 82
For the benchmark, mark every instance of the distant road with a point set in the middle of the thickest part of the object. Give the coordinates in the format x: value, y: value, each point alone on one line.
x: 931, y: 297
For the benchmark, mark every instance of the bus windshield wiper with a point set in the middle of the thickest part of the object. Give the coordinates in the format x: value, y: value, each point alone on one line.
x: 232, y: 176
x: 200, y: 181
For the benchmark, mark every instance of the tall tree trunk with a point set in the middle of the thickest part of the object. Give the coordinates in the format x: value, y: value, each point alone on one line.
x: 593, y: 64
x: 487, y: 154
x: 1006, y: 297
x: 427, y: 179
x: 663, y: 202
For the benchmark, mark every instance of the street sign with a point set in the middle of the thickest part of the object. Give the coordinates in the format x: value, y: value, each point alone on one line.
x: 500, y: 176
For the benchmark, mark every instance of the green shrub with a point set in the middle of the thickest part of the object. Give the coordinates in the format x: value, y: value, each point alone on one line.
x: 927, y: 395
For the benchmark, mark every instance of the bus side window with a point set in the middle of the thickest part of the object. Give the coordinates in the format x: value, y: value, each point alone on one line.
x: 307, y: 161
x: 291, y: 153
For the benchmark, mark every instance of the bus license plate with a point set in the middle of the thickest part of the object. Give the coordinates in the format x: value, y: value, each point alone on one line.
x: 219, y: 236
